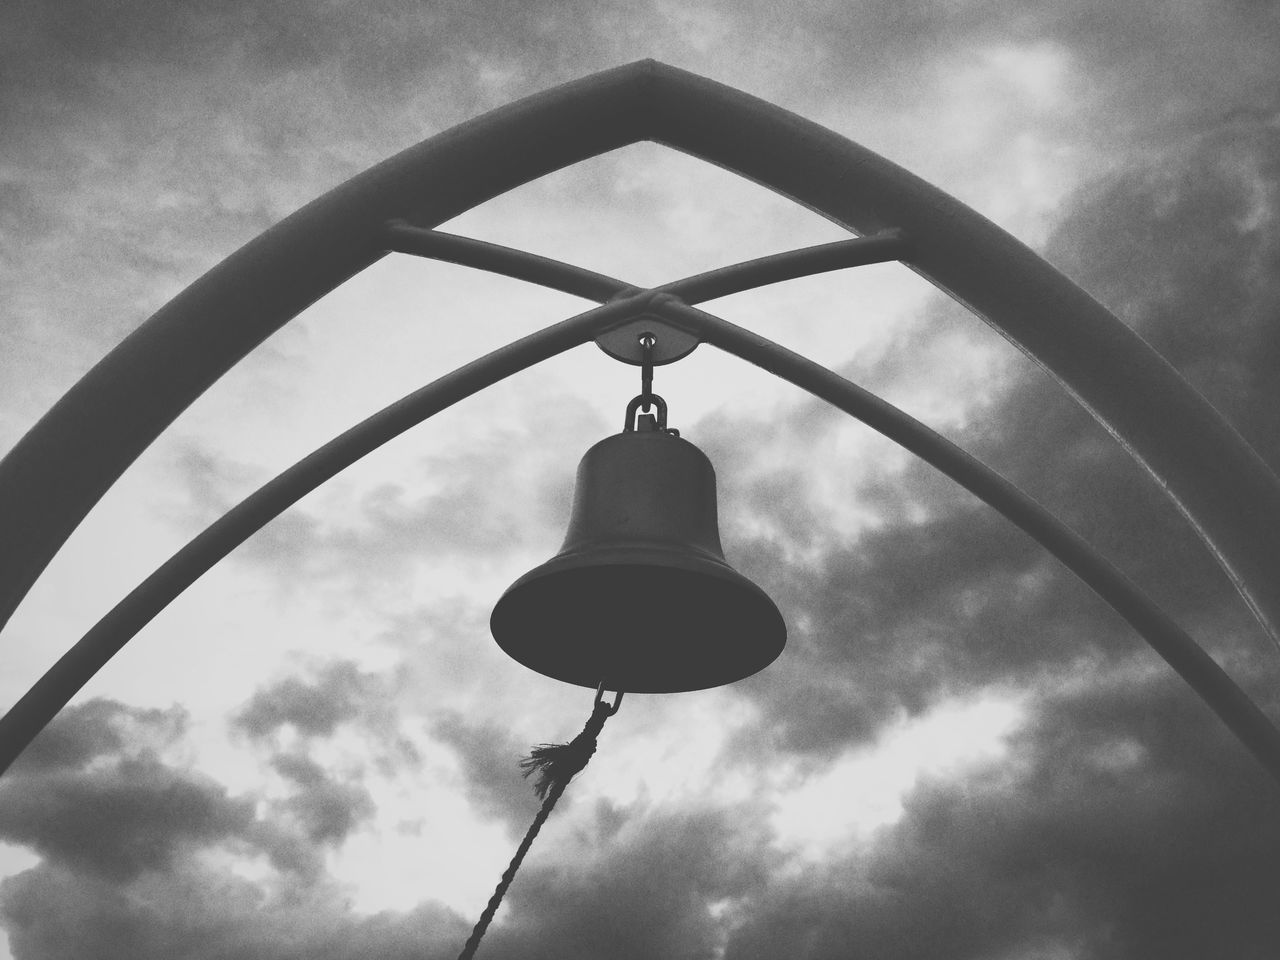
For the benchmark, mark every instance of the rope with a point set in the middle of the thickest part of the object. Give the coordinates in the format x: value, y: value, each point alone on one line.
x: 555, y: 764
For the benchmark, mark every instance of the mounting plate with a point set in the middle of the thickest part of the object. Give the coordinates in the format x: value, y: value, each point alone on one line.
x: 670, y: 343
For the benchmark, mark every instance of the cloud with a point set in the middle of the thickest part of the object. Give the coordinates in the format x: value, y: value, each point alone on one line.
x: 504, y: 492
x: 340, y: 694
x: 298, y: 715
x: 1185, y: 247
x: 328, y: 809
x: 118, y: 820
x: 488, y: 755
x: 326, y: 697
x: 142, y: 857
x: 122, y: 822
x: 52, y: 914
x: 107, y: 805
x: 99, y: 727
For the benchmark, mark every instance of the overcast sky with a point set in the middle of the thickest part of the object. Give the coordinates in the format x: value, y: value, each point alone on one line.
x: 961, y: 754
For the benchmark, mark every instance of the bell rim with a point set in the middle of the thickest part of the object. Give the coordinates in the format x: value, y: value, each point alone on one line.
x: 764, y: 647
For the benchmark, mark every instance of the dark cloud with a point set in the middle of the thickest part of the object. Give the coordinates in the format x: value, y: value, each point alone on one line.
x: 137, y: 816
x: 132, y: 815
x: 98, y: 727
x: 1139, y: 73
x: 107, y: 805
x: 340, y: 693
x: 327, y: 808
x: 291, y: 717
x: 489, y: 758
x: 128, y: 846
x: 651, y: 892
x: 1123, y: 825
x: 920, y: 608
x: 1185, y: 248
x: 53, y: 914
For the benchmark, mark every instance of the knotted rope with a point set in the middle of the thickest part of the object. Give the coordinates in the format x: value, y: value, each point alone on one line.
x: 552, y: 765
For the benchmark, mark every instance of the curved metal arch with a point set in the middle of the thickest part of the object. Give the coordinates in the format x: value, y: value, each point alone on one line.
x: 55, y: 474
x: 61, y: 682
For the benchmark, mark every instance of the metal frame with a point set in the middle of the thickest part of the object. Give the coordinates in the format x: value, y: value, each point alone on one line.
x: 58, y: 471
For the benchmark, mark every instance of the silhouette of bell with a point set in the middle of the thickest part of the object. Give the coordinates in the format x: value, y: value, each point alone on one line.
x: 640, y: 597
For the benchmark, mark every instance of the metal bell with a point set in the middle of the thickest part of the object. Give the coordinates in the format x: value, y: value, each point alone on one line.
x: 640, y: 598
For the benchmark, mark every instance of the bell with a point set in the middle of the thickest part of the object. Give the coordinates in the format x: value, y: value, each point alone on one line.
x: 640, y: 598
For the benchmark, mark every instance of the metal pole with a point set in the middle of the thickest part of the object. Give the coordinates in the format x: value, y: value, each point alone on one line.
x: 888, y: 245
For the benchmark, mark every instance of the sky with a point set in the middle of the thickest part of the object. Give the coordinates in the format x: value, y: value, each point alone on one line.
x: 961, y: 753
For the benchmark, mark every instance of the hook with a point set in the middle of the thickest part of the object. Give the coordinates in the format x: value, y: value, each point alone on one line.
x: 613, y: 708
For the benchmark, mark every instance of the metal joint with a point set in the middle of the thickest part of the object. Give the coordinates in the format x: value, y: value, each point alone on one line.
x: 633, y: 409
x: 613, y: 707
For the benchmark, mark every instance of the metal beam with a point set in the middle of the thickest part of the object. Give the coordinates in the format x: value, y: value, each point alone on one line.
x: 882, y: 247
x: 495, y: 258
x: 888, y: 245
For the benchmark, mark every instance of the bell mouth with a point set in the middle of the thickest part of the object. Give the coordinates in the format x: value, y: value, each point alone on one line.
x: 640, y: 620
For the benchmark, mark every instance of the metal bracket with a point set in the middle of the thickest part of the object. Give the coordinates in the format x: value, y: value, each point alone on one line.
x: 670, y: 342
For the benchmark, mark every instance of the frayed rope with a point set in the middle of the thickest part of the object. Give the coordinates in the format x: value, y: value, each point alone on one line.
x: 552, y: 765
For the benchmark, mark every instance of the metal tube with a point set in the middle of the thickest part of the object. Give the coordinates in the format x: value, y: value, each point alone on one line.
x: 885, y: 246
x: 507, y: 261
x: 1232, y: 705
x: 737, y: 278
